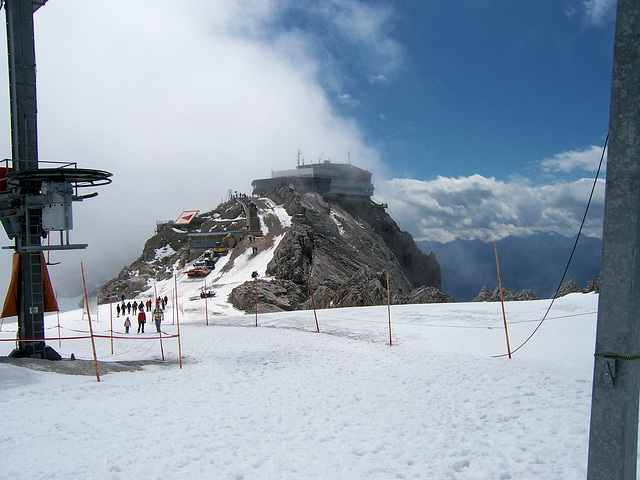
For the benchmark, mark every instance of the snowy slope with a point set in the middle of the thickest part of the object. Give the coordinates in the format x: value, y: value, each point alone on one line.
x: 282, y: 401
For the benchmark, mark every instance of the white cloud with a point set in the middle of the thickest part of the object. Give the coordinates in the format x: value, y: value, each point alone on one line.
x: 179, y: 105
x: 367, y: 26
x: 587, y: 159
x: 597, y: 11
x: 373, y: 79
x: 476, y: 207
x: 347, y: 99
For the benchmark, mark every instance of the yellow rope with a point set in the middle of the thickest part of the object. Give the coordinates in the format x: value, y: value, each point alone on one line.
x: 617, y: 357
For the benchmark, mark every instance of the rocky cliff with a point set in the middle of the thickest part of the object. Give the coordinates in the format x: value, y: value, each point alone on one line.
x: 344, y: 251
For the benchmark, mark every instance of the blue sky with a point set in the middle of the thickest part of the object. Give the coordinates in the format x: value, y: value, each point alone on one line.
x: 478, y: 118
x: 467, y: 87
x: 509, y: 85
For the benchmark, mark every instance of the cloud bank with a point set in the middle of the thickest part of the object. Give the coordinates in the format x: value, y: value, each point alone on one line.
x: 482, y: 208
x: 587, y: 159
x: 182, y: 102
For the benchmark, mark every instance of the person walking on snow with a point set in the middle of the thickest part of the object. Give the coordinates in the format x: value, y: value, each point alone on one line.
x: 158, y: 316
x: 118, y: 309
x: 142, y: 319
x: 127, y: 324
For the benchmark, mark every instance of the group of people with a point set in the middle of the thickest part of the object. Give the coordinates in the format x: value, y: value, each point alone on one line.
x: 157, y: 315
x: 126, y: 309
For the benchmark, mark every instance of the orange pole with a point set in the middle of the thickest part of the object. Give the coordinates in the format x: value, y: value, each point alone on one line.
x: 110, y: 320
x: 504, y: 315
x: 93, y: 343
x: 58, y: 315
x: 161, y: 348
x: 256, y: 301
x: 177, y: 319
x: 206, y: 309
x: 389, y: 308
x: 313, y: 304
x: 155, y: 292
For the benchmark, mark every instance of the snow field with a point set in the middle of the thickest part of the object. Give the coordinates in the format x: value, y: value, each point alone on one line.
x: 281, y: 401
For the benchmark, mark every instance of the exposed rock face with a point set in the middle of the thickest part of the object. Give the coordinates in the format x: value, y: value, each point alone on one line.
x: 572, y: 287
x: 484, y: 295
x: 169, y: 250
x: 419, y: 268
x: 429, y: 295
x: 273, y: 296
x: 364, y: 288
x: 160, y: 254
x: 508, y: 295
x: 345, y: 251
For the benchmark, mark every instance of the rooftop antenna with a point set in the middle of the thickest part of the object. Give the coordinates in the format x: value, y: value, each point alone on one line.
x: 33, y: 200
x: 299, y: 156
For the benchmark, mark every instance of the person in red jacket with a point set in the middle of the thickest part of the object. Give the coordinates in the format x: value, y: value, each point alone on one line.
x: 127, y: 324
x: 142, y: 319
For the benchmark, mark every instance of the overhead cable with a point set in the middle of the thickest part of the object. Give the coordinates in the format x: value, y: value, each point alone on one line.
x: 575, y: 244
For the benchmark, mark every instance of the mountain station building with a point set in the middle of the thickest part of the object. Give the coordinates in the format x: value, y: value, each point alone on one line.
x: 340, y: 181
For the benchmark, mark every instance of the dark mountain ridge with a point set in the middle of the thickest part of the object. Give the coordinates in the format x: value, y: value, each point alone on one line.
x: 536, y: 262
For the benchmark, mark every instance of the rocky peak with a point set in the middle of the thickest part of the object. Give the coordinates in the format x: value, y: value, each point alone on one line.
x: 345, y: 251
x: 508, y: 295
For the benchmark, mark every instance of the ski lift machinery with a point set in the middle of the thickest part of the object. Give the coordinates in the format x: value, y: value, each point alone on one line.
x: 35, y: 197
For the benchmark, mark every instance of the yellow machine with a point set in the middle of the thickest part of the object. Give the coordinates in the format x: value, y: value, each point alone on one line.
x: 222, y: 249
